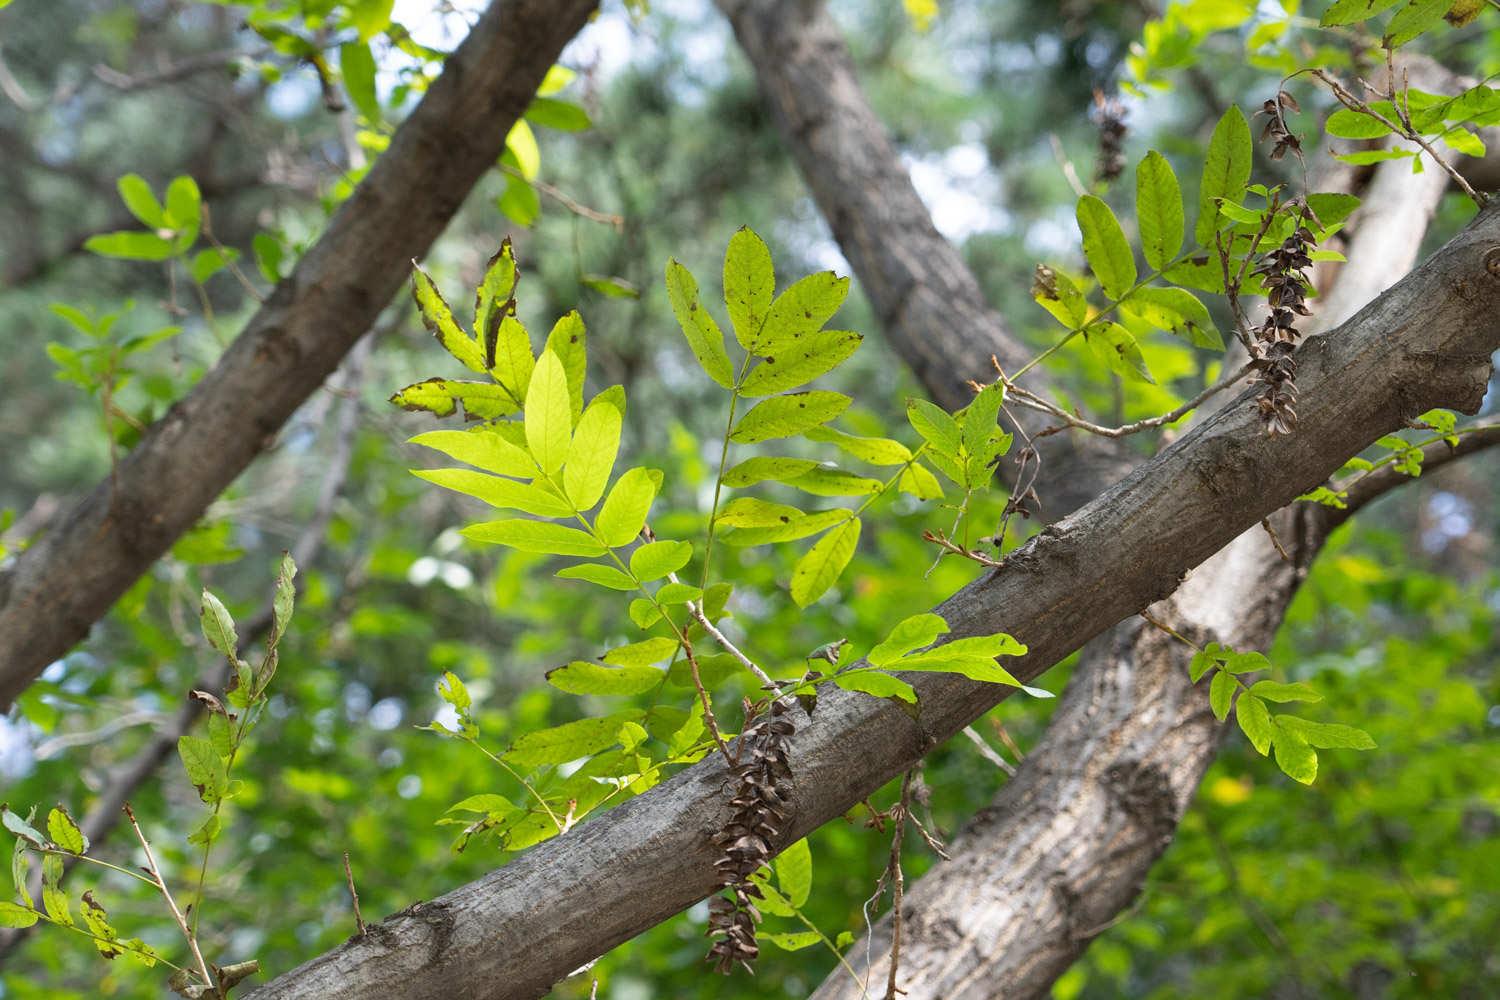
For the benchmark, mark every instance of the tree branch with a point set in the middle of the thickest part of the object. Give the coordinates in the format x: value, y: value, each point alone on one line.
x: 69, y: 579
x: 516, y: 931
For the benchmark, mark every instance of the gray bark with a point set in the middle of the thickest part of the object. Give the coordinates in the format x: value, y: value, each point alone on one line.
x: 65, y: 582
x: 1425, y: 343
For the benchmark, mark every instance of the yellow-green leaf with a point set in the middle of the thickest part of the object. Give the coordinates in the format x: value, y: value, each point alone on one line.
x: 625, y: 509
x: 1105, y: 246
x: 749, y: 284
x: 1158, y: 207
x: 703, y: 334
x: 549, y: 416
x: 822, y: 565
x: 482, y: 448
x: 591, y: 456
x: 536, y: 536
x: 438, y: 319
x: 784, y: 416
x: 505, y: 494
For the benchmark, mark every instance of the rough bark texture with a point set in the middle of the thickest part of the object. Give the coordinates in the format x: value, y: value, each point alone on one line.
x: 513, y: 933
x: 1104, y: 791
x: 69, y: 579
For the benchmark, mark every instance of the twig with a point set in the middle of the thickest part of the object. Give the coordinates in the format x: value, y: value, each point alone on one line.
x: 166, y: 894
x: 1404, y: 129
x: 1169, y: 630
x: 1286, y: 557
x: 708, y: 708
x: 354, y: 895
x: 566, y: 201
x: 947, y: 545
x: 696, y: 611
x: 1032, y: 401
x: 228, y: 257
x: 988, y: 752
x: 1069, y: 171
x: 898, y: 885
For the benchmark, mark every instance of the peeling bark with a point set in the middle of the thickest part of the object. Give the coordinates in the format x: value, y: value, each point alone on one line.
x: 69, y: 579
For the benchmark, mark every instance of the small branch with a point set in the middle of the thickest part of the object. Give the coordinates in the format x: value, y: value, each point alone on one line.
x: 1069, y: 171
x: 765, y: 679
x: 708, y: 709
x: 1032, y: 401
x: 354, y: 896
x: 1378, y: 482
x: 566, y: 201
x: 898, y: 884
x: 988, y: 752
x: 1265, y: 523
x: 1169, y: 630
x: 1404, y: 129
x: 166, y: 894
x: 947, y: 545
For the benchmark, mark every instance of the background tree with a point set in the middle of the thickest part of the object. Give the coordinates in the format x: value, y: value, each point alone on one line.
x: 682, y: 152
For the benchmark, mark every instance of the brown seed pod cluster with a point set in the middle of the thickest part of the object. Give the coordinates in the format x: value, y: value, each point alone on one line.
x: 1283, y: 272
x: 761, y: 804
x: 1275, y: 111
x: 1109, y: 116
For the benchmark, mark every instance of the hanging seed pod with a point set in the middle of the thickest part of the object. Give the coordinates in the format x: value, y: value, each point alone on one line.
x: 1283, y: 272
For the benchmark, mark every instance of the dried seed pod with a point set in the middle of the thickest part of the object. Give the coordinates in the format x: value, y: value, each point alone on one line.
x: 1282, y: 271
x: 1109, y: 117
x: 760, y: 804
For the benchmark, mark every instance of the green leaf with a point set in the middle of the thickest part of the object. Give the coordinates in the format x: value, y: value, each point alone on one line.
x: 874, y: 450
x: 794, y: 873
x: 184, y: 210
x: 285, y: 595
x: 569, y: 741
x: 519, y: 202
x: 1353, y: 11
x: 207, y: 263
x: 506, y: 494
x: 920, y: 483
x: 1278, y: 692
x: 790, y: 940
x: 798, y: 527
x: 753, y: 512
x: 1159, y: 213
x: 521, y: 144
x: 655, y: 560
x: 1177, y: 311
x: 16, y: 915
x: 452, y: 690
x: 1203, y: 661
x: 604, y: 576
x: 549, y: 417
x: 1105, y: 246
x: 801, y: 361
x: 784, y: 416
x: 826, y: 482
x: 1416, y: 18
x: 766, y: 467
x: 644, y: 613
x: 1057, y: 293
x: 1325, y: 735
x: 909, y: 634
x: 514, y: 362
x: 1221, y: 692
x: 1244, y: 663
x: 1117, y: 348
x: 54, y: 900
x: 822, y: 565
x: 358, y: 69
x: 677, y: 593
x: 438, y: 318
x: 749, y: 285
x: 221, y: 734
x: 582, y: 677
x: 1296, y: 759
x: 592, y: 453
x: 625, y: 509
x: 483, y: 448
x: 536, y: 536
x: 1250, y: 712
x: 1346, y: 123
x: 218, y: 626
x: 141, y: 201
x: 207, y: 831
x: 565, y: 116
x: 205, y: 768
x: 1226, y: 170
x: 876, y: 684
x: 703, y: 334
x: 21, y: 827
x: 610, y: 286
x: 568, y: 341
x: 800, y: 310
x: 130, y: 246
x: 65, y: 832
x: 442, y: 396
x: 939, y: 429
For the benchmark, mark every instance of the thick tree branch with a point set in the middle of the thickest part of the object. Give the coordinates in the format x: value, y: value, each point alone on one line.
x: 69, y: 579
x: 1425, y: 343
x: 1123, y: 756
